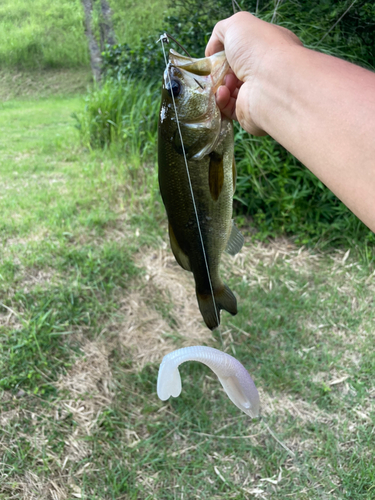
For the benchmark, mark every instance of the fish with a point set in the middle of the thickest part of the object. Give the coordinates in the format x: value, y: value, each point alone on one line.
x: 208, y: 143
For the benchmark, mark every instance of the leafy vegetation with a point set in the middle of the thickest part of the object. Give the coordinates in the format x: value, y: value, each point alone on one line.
x: 274, y: 189
x: 44, y: 35
x: 91, y: 299
x: 319, y: 25
x: 124, y: 113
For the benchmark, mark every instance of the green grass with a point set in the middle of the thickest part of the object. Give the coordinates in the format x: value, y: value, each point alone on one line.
x: 45, y: 34
x: 91, y: 299
x: 57, y: 203
x: 42, y: 34
x: 28, y: 84
x: 90, y: 305
x: 149, y: 17
x: 124, y: 114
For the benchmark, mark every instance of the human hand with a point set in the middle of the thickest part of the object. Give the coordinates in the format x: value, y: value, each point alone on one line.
x: 250, y: 46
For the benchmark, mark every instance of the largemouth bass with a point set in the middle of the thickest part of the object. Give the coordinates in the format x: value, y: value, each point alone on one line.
x: 208, y: 144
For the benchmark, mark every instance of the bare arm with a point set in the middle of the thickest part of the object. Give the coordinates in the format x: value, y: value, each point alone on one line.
x: 320, y: 108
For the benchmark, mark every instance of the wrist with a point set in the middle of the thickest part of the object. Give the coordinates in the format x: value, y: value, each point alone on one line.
x: 269, y: 89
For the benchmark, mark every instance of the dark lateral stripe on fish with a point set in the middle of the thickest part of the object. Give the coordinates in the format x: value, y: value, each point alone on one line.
x: 216, y: 175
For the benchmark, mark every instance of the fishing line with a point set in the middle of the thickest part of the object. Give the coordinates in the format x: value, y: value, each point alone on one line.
x: 164, y: 39
x: 167, y: 35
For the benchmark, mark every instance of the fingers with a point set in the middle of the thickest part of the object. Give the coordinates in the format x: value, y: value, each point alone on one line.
x: 226, y: 96
x: 233, y: 84
x: 226, y: 102
x: 216, y: 41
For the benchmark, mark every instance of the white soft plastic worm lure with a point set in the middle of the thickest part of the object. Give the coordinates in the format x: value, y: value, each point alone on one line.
x: 232, y: 374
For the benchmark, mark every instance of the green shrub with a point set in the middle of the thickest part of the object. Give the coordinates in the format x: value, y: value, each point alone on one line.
x: 282, y: 196
x: 190, y: 22
x: 123, y: 112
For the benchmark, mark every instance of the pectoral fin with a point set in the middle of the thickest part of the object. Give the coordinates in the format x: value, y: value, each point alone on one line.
x: 216, y: 175
x: 180, y: 256
x: 235, y: 241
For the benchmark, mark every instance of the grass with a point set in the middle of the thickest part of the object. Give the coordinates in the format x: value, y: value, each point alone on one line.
x: 123, y: 113
x: 19, y: 84
x: 48, y: 35
x: 149, y: 16
x: 51, y: 34
x: 91, y: 301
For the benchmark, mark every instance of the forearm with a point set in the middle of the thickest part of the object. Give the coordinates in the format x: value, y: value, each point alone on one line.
x: 322, y: 110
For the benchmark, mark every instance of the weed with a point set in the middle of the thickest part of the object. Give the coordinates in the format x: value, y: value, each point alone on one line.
x: 282, y: 196
x: 122, y: 112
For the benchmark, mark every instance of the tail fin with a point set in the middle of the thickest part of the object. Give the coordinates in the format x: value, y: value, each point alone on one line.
x: 224, y: 299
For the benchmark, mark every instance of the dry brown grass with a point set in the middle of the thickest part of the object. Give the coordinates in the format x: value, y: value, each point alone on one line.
x: 149, y: 333
x: 89, y: 383
x: 44, y: 83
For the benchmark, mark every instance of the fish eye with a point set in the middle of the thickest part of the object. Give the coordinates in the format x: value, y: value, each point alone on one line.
x: 174, y: 87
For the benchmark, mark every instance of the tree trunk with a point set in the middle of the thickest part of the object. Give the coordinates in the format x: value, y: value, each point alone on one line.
x: 106, y: 27
x: 95, y: 54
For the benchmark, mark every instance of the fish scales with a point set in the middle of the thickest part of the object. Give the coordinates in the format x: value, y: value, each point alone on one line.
x: 208, y: 143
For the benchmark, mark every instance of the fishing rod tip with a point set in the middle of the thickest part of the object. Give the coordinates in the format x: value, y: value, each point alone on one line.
x: 163, y: 38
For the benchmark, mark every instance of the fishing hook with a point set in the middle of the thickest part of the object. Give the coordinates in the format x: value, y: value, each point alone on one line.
x: 165, y: 39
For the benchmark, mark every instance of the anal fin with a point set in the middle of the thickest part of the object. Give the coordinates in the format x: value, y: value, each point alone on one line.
x: 235, y: 241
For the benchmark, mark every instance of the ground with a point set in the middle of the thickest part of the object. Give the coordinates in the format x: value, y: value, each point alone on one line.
x: 90, y: 301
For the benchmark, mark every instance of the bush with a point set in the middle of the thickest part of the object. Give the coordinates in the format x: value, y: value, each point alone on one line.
x: 190, y: 22
x: 123, y: 112
x: 282, y: 196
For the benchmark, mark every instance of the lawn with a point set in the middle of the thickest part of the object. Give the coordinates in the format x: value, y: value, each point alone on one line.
x: 90, y: 301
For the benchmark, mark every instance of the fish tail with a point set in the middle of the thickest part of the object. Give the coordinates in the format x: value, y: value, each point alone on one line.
x: 224, y: 299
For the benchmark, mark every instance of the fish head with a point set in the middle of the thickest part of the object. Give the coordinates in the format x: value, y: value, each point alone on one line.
x: 189, y: 87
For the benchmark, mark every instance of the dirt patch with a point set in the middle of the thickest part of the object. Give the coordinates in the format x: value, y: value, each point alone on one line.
x: 36, y: 277
x: 43, y: 83
x: 9, y: 319
x: 164, y: 314
x: 89, y: 382
x: 253, y: 258
x: 7, y: 246
x: 90, y: 390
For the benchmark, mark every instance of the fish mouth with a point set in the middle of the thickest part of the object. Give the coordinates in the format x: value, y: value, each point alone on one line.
x: 185, y: 78
x: 177, y: 80
x: 215, y: 66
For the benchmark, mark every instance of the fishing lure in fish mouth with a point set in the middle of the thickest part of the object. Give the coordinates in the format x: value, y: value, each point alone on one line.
x: 232, y: 375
